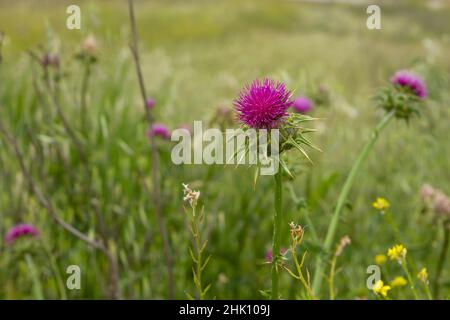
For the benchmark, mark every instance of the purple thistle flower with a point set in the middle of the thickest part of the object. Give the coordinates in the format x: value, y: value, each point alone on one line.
x: 302, y: 105
x: 150, y: 103
x: 263, y: 105
x: 408, y: 79
x: 20, y: 230
x: 159, y: 130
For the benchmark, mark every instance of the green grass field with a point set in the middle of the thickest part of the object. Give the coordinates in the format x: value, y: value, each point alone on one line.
x: 196, y: 56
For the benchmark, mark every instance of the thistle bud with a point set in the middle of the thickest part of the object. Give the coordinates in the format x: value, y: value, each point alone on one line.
x: 89, y: 45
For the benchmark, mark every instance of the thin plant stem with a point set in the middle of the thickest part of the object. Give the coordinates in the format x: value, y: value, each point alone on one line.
x: 277, y: 221
x: 298, y: 266
x: 196, y: 252
x: 199, y: 259
x: 442, y: 258
x: 405, y: 268
x: 83, y: 96
x: 59, y: 110
x: 332, y: 273
x: 296, y: 240
x: 393, y: 224
x: 154, y: 155
x: 58, y: 278
x: 2, y: 36
x: 34, y: 275
x: 427, y: 291
x: 319, y: 270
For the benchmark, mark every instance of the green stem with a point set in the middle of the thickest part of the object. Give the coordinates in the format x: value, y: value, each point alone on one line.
x: 410, y: 280
x: 442, y: 258
x: 319, y: 270
x: 199, y: 262
x: 332, y: 273
x: 83, y: 98
x: 34, y: 275
x: 427, y: 291
x: 276, y: 234
x: 394, y: 226
x: 55, y: 270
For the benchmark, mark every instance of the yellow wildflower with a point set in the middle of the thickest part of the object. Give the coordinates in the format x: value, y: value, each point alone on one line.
x: 397, y: 252
x: 380, y: 289
x: 423, y: 275
x: 381, y: 204
x: 380, y: 259
x: 398, y: 282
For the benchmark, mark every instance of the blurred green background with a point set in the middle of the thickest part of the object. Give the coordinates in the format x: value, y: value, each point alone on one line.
x: 196, y: 56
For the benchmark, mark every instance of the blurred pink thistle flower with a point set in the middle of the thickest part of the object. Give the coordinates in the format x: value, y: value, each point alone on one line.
x: 150, y: 103
x: 427, y: 192
x: 159, y: 130
x: 20, y: 230
x: 408, y: 79
x: 89, y: 45
x: 302, y: 105
x: 442, y: 204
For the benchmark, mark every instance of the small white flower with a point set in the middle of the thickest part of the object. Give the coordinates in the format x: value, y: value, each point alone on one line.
x: 190, y: 195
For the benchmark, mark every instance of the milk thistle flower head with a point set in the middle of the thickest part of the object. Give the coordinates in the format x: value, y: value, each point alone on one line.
x: 20, y: 230
x: 380, y: 289
x: 441, y: 204
x: 89, y: 45
x: 404, y: 96
x: 397, y: 252
x: 398, y: 282
x: 381, y: 204
x: 410, y: 81
x: 87, y: 54
x: 158, y: 130
x: 423, y: 275
x: 302, y: 105
x: 263, y: 104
